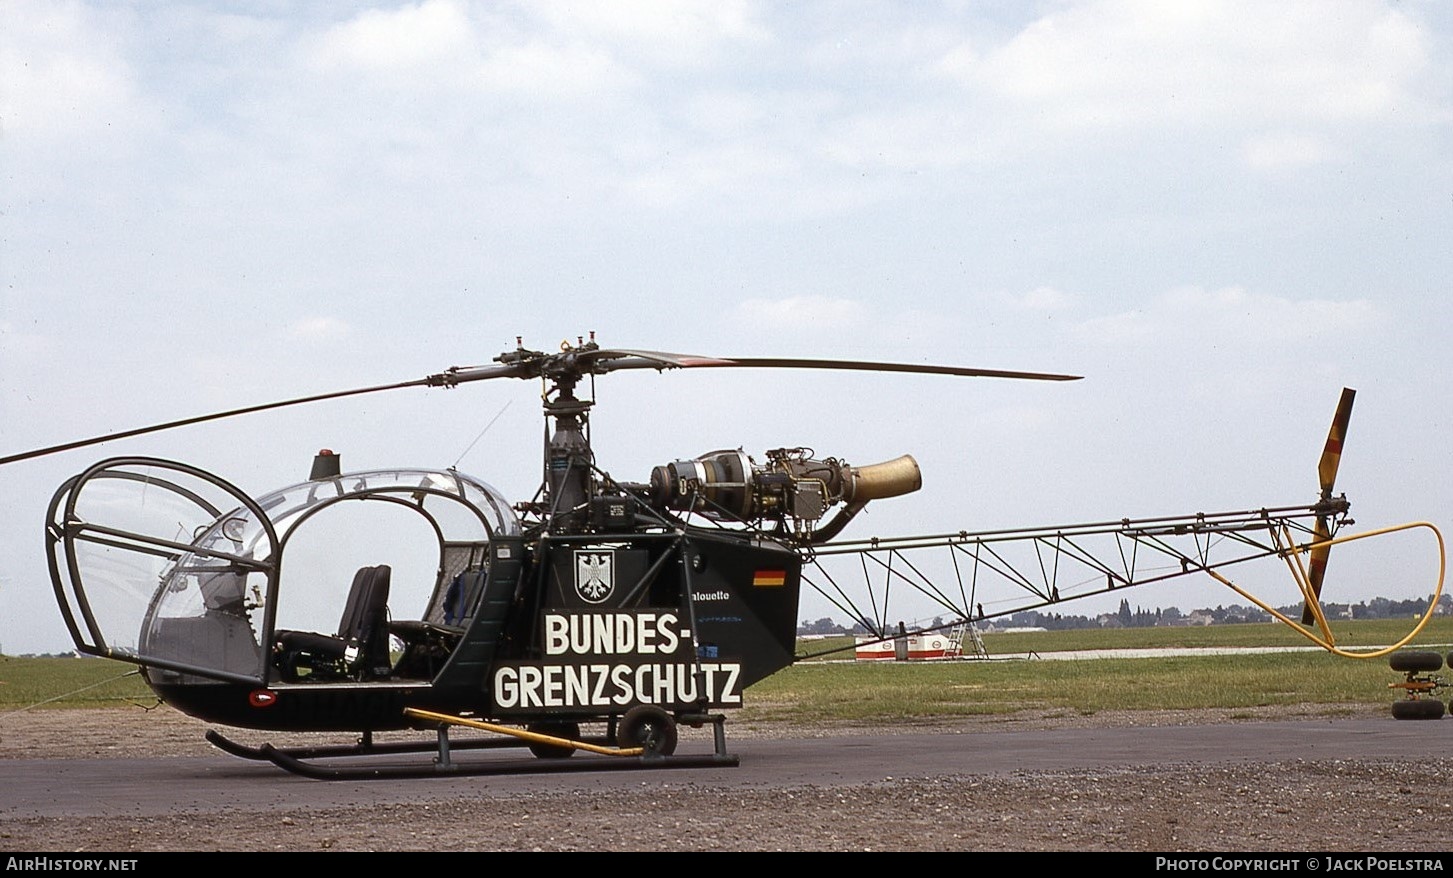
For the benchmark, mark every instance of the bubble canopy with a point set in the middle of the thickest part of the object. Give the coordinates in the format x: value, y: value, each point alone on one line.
x: 166, y: 565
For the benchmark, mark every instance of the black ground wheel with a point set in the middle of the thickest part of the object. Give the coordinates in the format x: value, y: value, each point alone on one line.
x: 1416, y: 660
x: 546, y: 750
x: 1417, y: 708
x: 649, y: 727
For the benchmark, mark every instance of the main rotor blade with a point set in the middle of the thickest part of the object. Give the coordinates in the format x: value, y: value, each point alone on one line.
x: 865, y: 366
x: 600, y: 360
x: 1327, y: 476
x: 571, y: 361
x: 122, y: 434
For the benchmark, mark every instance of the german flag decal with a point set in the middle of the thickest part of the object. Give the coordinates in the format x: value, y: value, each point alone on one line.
x: 769, y: 578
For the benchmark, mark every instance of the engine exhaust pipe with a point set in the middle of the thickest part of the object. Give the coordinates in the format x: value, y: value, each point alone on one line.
x: 891, y: 478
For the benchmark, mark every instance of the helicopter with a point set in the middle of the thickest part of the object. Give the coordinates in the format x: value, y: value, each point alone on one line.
x: 596, y: 617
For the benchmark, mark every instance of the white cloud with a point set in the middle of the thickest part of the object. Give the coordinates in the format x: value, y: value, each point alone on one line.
x: 443, y: 47
x: 673, y: 32
x: 554, y: 71
x: 1145, y: 63
x: 1044, y: 299
x: 1279, y: 150
x: 803, y: 313
x: 21, y: 345
x: 63, y: 72
x: 1231, y: 316
x: 318, y: 329
x: 542, y: 49
x: 410, y: 37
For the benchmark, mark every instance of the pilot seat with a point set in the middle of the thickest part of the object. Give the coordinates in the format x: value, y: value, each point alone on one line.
x: 360, y: 649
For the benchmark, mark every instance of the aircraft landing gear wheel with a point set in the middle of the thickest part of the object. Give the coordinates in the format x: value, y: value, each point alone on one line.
x: 648, y: 727
x: 1415, y: 660
x: 1417, y: 708
x: 546, y: 750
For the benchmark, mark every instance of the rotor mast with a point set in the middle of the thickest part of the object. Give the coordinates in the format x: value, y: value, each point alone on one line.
x: 569, y: 460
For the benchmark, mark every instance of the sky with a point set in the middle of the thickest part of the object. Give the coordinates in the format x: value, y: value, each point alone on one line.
x: 1219, y: 213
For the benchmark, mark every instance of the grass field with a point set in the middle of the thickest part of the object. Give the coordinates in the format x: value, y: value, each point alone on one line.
x: 1353, y: 635
x: 849, y: 690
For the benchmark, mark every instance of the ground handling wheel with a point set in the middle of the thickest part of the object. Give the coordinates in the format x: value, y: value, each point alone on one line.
x: 1417, y: 708
x: 546, y: 750
x: 1419, y: 684
x: 648, y: 727
x: 1416, y: 660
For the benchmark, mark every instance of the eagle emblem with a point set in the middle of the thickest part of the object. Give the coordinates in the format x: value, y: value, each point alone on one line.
x: 594, y: 575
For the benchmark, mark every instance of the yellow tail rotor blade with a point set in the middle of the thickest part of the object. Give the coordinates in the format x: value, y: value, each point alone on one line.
x: 1327, y: 476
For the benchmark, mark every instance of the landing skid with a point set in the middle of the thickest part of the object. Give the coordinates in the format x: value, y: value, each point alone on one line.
x: 262, y: 752
x: 458, y: 769
x: 597, y: 756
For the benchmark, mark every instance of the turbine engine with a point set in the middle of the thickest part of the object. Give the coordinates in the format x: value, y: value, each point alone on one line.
x: 792, y: 489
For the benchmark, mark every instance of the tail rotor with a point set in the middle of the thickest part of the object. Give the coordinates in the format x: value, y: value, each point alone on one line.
x: 1327, y: 475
